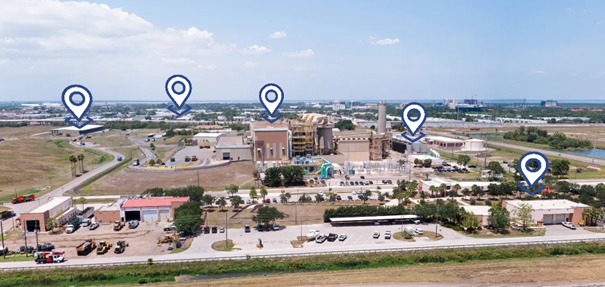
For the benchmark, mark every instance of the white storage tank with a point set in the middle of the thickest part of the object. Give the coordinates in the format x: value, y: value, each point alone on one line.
x: 474, y: 145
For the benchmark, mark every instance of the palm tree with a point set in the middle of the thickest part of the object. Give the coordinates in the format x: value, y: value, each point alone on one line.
x: 253, y: 194
x: 263, y: 192
x: 283, y: 198
x: 443, y: 187
x: 432, y: 188
x: 73, y: 160
x: 158, y: 161
x: 457, y: 187
x: 288, y: 195
x: 80, y: 158
x: 466, y: 192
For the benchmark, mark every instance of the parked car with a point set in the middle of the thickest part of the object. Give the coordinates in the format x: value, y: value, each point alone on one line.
x: 206, y: 229
x: 274, y: 200
x: 350, y: 197
x: 389, y: 181
x: 342, y: 183
x: 566, y: 223
x: 85, y: 222
x: 376, y: 234
x: 169, y: 227
x: 46, y: 247
x: 321, y: 239
x: 572, y: 227
x: 332, y: 237
x: 504, y: 161
x: 352, y: 183
x: 268, y: 201
x: 93, y: 226
x: 342, y: 237
x: 371, y: 182
x: 387, y: 235
x: 221, y: 230
x: 247, y: 228
x: 320, y: 192
x: 338, y: 197
x: 214, y: 229
x: 312, y: 234
x: 362, y: 177
x: 419, y: 231
x: 133, y: 224
x: 472, y: 166
x: 416, y: 221
x: 357, y: 183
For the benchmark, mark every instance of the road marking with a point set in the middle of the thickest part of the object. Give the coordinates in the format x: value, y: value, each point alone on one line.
x: 348, y: 239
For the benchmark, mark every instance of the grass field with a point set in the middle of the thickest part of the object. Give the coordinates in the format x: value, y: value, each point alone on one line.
x: 23, y: 132
x: 30, y: 165
x: 486, y: 233
x: 126, y: 181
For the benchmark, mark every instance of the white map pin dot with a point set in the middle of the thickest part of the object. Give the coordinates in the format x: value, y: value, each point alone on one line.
x: 77, y: 107
x: 532, y: 177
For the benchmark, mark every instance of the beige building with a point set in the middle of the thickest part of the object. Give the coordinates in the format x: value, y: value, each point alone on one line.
x: 60, y: 207
x: 480, y: 211
x: 206, y: 139
x: 232, y: 148
x: 271, y: 144
x: 109, y: 213
x: 553, y: 211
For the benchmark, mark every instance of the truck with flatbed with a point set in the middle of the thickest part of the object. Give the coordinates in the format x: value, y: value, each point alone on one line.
x: 50, y: 257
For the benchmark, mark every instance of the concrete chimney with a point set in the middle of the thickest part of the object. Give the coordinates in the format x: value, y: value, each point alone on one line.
x: 382, y: 117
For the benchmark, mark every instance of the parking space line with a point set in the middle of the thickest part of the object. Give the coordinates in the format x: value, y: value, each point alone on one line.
x: 348, y: 239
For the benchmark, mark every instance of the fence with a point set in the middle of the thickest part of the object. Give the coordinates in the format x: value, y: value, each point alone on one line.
x: 246, y: 257
x: 92, y: 179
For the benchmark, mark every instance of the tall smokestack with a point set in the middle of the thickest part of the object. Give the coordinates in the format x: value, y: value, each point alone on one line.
x: 382, y: 117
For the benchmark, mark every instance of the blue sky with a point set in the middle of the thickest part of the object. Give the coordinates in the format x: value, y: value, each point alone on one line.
x: 440, y: 49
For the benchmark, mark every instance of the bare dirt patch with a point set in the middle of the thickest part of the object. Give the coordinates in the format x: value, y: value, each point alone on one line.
x: 128, y: 181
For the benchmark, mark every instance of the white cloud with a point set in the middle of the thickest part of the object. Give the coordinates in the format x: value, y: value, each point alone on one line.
x: 538, y: 72
x: 209, y: 67
x: 178, y: 61
x: 278, y: 35
x: 387, y: 41
x: 261, y: 76
x: 600, y: 22
x: 65, y: 33
x: 4, y: 61
x: 300, y: 54
x: 255, y: 50
x: 249, y: 65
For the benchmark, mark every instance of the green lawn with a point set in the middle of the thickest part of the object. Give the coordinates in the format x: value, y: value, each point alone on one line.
x: 17, y: 257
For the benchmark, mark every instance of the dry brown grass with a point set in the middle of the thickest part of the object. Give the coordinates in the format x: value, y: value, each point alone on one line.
x: 20, y: 132
x: 126, y: 181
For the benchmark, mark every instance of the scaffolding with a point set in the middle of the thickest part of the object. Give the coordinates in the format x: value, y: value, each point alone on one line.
x: 379, y: 146
x: 302, y: 138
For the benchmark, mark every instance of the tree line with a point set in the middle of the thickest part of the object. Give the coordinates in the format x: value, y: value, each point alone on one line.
x: 539, y: 136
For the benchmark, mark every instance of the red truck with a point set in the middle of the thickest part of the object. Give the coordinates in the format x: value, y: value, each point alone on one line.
x: 24, y: 198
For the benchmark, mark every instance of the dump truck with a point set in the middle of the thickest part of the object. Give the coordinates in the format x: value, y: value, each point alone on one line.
x: 86, y: 247
x: 24, y: 198
x: 103, y: 247
x: 120, y: 247
x: 50, y: 257
x: 7, y: 214
x: 118, y: 225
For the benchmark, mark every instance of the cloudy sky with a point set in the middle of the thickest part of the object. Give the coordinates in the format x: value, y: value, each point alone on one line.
x: 315, y: 50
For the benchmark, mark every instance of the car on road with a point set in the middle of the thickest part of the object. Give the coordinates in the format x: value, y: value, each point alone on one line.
x: 321, y: 239
x: 247, y: 228
x: 504, y: 161
x: 350, y: 197
x: 214, y: 229
x: 342, y: 183
x: 362, y: 177
x: 472, y: 166
x: 389, y: 181
x: 376, y: 234
x: 371, y: 182
x: 342, y: 237
x: 387, y: 235
x: 312, y: 234
x: 221, y: 230
x: 93, y: 226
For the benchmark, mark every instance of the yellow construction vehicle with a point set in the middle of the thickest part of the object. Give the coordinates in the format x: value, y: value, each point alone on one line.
x: 103, y: 247
x: 168, y: 238
x: 117, y: 226
x: 120, y: 246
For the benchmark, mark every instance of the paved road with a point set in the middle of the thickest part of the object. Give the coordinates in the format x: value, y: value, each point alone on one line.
x: 27, y: 206
x: 276, y: 243
x: 525, y: 148
x: 149, y: 155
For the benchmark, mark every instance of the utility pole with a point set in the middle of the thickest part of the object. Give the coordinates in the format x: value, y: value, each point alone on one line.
x: 198, y: 178
x: 226, y: 232
x: 436, y: 219
x: 2, y: 234
x: 594, y: 150
x: 25, y: 236
x: 37, y: 230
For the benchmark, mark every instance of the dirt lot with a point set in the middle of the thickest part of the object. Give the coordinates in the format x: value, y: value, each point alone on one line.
x: 127, y: 181
x: 142, y: 240
x: 529, y: 272
x: 300, y: 213
x: 31, y: 164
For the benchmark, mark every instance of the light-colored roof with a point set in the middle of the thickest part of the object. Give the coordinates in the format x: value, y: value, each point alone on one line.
x: 50, y: 204
x: 85, y: 128
x: 208, y: 135
x: 230, y: 140
x: 477, y: 209
x: 473, y: 140
x: 153, y: 202
x: 115, y: 206
x: 547, y: 204
x: 443, y: 139
x: 367, y: 218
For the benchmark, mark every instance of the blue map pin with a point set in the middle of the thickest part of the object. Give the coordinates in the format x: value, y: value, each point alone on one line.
x: 533, y: 176
x: 178, y: 97
x: 413, y: 125
x: 77, y: 108
x: 271, y: 96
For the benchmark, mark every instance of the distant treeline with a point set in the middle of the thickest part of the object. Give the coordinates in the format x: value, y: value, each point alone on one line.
x: 146, y: 125
x: 538, y: 136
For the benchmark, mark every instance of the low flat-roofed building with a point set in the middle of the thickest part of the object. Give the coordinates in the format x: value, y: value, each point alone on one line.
x: 233, y: 148
x: 481, y: 211
x: 205, y: 139
x: 76, y: 131
x: 444, y: 142
x: 151, y: 209
x: 110, y: 213
x: 553, y: 211
x: 60, y: 207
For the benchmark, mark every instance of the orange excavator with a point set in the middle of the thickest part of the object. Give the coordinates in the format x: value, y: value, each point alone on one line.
x: 547, y: 190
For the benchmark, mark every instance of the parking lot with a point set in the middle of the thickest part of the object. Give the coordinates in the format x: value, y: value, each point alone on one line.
x: 190, y: 151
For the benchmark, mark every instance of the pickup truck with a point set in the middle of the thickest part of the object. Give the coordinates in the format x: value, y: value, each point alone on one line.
x: 71, y: 228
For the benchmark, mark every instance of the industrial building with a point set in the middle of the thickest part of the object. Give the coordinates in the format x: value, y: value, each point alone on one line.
x: 553, y: 211
x: 444, y: 142
x: 474, y: 145
x: 151, y: 209
x: 60, y: 208
x: 109, y: 213
x: 311, y: 134
x: 231, y: 147
x: 73, y: 131
x: 206, y: 139
x: 271, y: 144
x: 362, y: 145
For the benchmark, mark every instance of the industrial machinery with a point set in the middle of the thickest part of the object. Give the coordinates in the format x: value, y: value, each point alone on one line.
x: 120, y: 247
x: 103, y: 247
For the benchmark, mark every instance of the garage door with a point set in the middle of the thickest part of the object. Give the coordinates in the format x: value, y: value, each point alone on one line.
x: 547, y: 218
x: 132, y: 215
x: 150, y: 215
x: 164, y: 214
x: 560, y: 218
